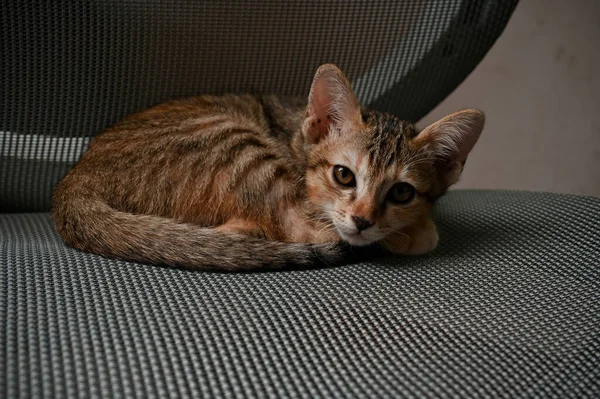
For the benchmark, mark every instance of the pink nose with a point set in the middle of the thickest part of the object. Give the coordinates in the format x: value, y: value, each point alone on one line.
x: 362, y: 223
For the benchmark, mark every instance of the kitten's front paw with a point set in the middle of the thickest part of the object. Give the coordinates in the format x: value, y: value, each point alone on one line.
x: 414, y: 240
x: 423, y: 238
x: 241, y: 226
x: 396, y: 243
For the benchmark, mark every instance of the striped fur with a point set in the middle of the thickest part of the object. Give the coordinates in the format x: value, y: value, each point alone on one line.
x: 244, y: 182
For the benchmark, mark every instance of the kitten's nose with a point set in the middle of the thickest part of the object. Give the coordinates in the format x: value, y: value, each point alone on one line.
x: 362, y: 223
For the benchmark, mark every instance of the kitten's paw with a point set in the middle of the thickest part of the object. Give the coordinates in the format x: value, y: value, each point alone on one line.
x: 246, y: 227
x: 423, y: 238
x: 396, y: 243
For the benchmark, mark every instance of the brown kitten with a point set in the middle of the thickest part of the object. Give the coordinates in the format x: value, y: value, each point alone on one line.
x: 244, y: 182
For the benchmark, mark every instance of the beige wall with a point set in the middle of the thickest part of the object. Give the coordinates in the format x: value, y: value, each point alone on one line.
x: 540, y: 89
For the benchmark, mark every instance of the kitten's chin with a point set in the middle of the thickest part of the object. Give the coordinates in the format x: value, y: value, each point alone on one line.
x: 357, y: 239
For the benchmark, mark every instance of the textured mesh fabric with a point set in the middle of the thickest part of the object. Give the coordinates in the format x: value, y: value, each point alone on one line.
x: 508, y: 306
x: 68, y: 68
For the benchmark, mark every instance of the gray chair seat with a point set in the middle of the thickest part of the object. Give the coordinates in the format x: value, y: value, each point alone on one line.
x: 509, y: 305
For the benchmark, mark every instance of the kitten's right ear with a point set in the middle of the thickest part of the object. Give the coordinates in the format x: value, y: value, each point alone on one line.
x: 331, y: 104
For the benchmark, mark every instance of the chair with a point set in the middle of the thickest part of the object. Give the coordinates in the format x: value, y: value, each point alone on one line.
x: 507, y: 306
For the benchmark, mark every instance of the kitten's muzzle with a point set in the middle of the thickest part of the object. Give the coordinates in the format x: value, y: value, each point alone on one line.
x: 362, y: 223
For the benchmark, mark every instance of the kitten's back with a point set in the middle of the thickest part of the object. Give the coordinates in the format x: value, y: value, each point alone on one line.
x: 146, y: 186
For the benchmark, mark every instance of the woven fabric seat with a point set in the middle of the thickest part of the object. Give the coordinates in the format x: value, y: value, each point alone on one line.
x: 507, y: 306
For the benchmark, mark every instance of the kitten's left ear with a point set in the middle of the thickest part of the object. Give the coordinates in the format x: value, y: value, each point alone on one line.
x: 451, y: 139
x: 331, y: 103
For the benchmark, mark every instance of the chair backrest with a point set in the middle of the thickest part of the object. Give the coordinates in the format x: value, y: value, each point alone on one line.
x: 70, y: 68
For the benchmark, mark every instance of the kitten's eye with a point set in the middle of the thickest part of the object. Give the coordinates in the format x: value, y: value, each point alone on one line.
x: 344, y: 176
x: 401, y: 193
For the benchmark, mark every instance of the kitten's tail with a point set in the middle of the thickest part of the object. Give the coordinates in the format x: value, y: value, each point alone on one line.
x: 88, y: 223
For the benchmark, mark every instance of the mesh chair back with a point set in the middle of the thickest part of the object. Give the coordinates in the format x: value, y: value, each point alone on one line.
x: 68, y: 69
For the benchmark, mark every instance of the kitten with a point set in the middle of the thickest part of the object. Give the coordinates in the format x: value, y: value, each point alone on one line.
x: 246, y: 182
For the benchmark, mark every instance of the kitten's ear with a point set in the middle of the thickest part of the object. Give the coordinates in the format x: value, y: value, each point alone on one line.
x: 331, y: 103
x: 451, y: 139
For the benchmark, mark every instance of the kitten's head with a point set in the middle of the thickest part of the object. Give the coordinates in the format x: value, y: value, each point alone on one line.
x: 371, y: 172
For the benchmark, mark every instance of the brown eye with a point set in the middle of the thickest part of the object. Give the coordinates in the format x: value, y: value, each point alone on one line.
x: 401, y: 193
x: 344, y: 176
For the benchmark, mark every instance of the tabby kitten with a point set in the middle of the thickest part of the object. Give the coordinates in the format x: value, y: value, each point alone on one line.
x: 246, y: 182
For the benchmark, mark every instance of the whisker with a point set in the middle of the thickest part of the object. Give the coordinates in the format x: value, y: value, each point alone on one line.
x: 386, y: 244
